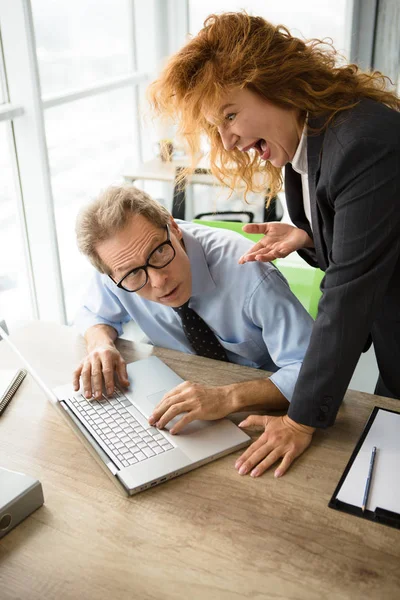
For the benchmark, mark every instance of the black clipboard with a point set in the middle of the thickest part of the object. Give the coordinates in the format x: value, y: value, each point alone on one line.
x: 379, y: 515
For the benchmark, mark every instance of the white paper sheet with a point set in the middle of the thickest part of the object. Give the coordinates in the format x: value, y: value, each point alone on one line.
x: 385, y: 484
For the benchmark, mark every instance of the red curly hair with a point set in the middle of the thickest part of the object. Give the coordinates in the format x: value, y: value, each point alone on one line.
x: 235, y: 51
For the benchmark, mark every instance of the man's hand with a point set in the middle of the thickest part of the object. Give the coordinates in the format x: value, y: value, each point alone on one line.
x: 280, y: 240
x: 282, y: 438
x: 102, y: 362
x: 197, y: 401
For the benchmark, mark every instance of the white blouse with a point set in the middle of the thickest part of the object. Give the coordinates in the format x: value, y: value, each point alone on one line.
x: 299, y: 164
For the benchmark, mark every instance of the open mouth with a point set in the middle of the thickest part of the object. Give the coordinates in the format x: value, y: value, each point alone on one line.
x: 261, y: 147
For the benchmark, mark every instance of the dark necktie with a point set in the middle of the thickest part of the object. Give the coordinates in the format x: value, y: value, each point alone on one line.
x: 199, y: 335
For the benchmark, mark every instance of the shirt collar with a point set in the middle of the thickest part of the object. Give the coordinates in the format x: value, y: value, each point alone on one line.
x: 299, y: 162
x: 202, y: 281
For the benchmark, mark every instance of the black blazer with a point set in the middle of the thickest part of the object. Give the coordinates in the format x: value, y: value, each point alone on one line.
x: 354, y: 181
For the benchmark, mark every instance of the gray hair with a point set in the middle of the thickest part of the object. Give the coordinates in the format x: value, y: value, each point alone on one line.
x: 108, y: 214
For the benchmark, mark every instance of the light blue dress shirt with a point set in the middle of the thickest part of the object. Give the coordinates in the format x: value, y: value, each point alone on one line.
x: 249, y: 307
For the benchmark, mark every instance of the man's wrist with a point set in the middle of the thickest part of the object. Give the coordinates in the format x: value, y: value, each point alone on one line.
x: 100, y: 335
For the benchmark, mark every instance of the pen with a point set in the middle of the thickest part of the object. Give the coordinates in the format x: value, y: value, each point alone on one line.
x: 369, y: 478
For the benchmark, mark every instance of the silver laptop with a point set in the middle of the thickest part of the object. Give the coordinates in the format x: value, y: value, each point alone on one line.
x: 138, y: 455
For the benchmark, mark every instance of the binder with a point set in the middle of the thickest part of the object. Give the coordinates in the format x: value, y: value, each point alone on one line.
x: 10, y: 381
x: 383, y: 431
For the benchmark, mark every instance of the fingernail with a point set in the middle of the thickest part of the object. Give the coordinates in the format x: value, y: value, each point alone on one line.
x: 238, y: 464
x: 109, y: 391
x: 243, y: 470
x: 87, y: 394
x: 254, y: 473
x: 241, y: 424
x: 151, y: 420
x: 277, y: 473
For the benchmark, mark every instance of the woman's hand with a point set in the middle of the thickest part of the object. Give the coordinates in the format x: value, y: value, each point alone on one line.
x: 282, y: 438
x: 197, y: 401
x: 280, y: 240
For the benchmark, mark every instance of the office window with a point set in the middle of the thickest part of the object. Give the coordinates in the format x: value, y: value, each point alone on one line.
x: 15, y: 300
x: 308, y: 18
x: 91, y: 143
x: 80, y: 42
x: 92, y: 140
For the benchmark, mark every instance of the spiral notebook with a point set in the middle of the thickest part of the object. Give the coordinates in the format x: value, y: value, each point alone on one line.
x: 10, y: 380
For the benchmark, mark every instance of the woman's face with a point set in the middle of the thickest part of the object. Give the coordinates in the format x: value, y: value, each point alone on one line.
x: 251, y: 122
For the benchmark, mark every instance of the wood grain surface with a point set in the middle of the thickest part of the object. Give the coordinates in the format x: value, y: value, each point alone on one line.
x: 207, y: 534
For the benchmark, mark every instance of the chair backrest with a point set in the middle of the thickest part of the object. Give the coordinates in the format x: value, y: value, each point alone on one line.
x: 304, y: 281
x: 232, y: 216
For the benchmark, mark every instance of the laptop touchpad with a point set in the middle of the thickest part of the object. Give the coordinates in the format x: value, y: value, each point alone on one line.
x: 156, y: 398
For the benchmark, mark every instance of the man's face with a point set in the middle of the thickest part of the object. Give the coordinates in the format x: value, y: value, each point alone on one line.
x: 130, y: 248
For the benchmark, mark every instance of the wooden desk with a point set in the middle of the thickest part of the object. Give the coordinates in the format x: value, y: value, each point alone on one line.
x: 209, y: 534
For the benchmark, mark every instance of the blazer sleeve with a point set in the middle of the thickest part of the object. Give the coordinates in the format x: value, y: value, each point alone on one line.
x: 363, y: 191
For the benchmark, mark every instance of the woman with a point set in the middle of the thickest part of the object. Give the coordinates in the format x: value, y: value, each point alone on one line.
x: 267, y: 100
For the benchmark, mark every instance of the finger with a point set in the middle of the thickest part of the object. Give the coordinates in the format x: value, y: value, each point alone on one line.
x: 171, y: 413
x: 86, y: 377
x: 108, y: 375
x: 122, y: 373
x: 254, y: 422
x: 163, y: 406
x: 174, y: 392
x: 268, y: 461
x: 285, y: 464
x: 257, y: 247
x: 97, y: 379
x: 264, y: 256
x: 253, y: 460
x: 256, y: 228
x: 250, y: 450
x: 76, y: 377
x: 185, y: 420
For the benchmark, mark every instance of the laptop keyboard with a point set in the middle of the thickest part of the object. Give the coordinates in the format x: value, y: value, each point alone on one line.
x: 126, y: 440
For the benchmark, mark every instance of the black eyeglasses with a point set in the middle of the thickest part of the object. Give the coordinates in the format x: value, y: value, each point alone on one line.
x: 159, y: 258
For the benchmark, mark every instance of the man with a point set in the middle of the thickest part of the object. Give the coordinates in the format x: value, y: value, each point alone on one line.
x: 155, y: 270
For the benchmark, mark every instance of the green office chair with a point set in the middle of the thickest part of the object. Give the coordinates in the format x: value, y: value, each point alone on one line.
x: 304, y: 281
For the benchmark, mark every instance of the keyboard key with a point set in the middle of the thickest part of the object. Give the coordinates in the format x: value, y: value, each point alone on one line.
x: 148, y: 452
x: 158, y: 449
x: 140, y: 455
x: 126, y: 402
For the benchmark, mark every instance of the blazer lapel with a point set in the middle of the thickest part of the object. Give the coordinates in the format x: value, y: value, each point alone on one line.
x: 314, y: 155
x: 294, y: 199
